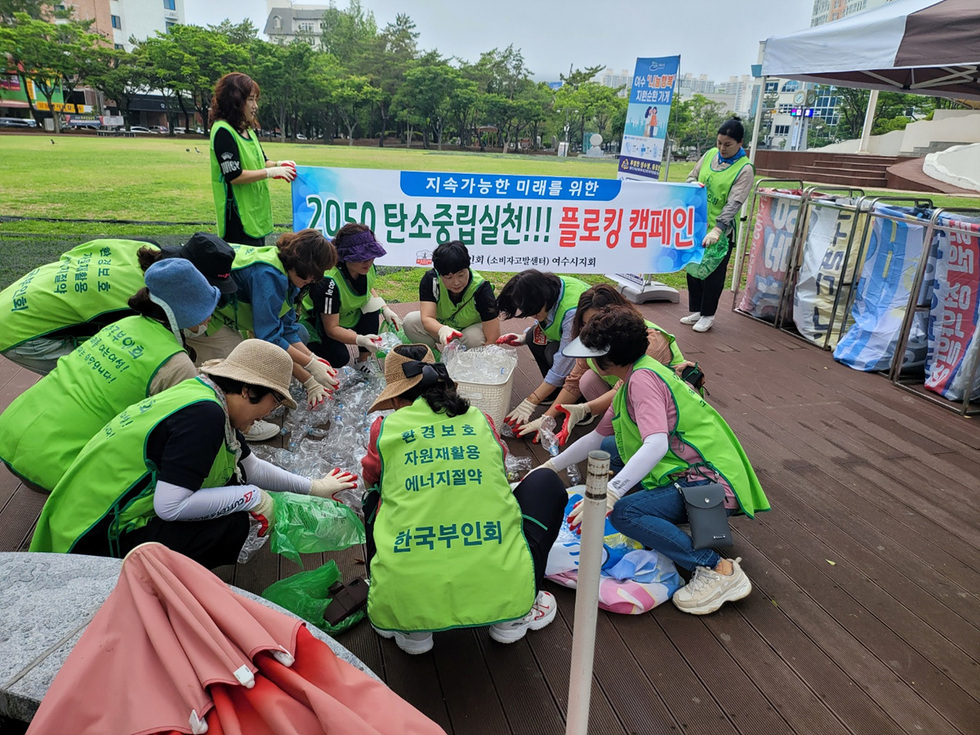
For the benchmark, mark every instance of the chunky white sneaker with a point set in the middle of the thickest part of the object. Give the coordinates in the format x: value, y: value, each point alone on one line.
x: 704, y: 324
x: 691, y: 318
x: 411, y: 643
x: 261, y: 431
x: 708, y: 590
x: 542, y: 612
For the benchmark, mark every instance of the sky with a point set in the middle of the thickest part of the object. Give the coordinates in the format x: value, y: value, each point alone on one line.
x: 719, y: 38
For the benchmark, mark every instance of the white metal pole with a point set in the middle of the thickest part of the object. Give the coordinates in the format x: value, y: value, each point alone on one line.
x: 869, y: 117
x: 743, y: 223
x: 587, y: 594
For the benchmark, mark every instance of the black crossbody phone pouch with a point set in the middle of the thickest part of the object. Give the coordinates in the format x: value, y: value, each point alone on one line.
x: 707, y: 515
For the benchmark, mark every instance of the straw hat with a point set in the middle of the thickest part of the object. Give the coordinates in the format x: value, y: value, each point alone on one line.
x: 397, y: 382
x: 257, y: 362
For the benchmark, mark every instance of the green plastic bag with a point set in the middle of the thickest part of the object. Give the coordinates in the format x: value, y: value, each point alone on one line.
x: 306, y: 524
x: 713, y: 255
x: 306, y: 594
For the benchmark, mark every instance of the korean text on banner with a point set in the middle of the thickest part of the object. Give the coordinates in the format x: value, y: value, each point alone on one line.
x: 645, y: 132
x: 508, y: 222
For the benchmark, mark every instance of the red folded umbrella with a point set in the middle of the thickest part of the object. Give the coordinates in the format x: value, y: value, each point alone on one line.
x: 174, y: 649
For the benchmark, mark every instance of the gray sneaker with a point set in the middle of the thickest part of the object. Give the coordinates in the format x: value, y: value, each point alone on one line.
x: 708, y: 590
x: 411, y: 643
x: 691, y: 318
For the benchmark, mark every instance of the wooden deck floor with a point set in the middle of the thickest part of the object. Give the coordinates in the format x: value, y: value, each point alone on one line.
x: 865, y: 616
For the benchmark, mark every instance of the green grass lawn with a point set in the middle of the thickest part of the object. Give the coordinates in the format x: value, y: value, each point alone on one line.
x: 154, y: 179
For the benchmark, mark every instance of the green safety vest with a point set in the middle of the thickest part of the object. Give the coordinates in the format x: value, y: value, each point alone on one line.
x: 88, y: 282
x: 237, y: 314
x: 571, y: 290
x: 46, y: 427
x: 463, y: 313
x: 717, y: 184
x: 252, y: 200
x: 113, y: 481
x: 699, y: 426
x: 676, y: 357
x: 350, y: 302
x: 450, y: 547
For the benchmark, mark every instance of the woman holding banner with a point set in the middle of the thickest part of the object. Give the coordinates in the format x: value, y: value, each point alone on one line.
x: 239, y: 168
x: 727, y: 174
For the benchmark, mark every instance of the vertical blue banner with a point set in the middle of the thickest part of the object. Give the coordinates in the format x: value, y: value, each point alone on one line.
x: 652, y: 92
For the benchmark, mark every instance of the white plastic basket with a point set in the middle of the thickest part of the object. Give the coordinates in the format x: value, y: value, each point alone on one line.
x: 491, y: 397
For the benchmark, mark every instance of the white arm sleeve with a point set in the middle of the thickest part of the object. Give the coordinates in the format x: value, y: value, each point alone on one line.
x: 652, y: 450
x: 270, y: 477
x: 176, y: 503
x: 578, y: 451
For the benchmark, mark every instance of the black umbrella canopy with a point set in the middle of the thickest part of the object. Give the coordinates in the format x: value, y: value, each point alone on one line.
x: 928, y: 47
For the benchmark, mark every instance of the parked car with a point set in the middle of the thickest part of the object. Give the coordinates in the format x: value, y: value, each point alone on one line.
x: 179, y: 130
x: 160, y: 129
x: 17, y: 122
x: 300, y: 136
x: 84, y: 124
x: 139, y: 129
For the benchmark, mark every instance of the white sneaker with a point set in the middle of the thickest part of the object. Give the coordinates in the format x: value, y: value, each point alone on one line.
x: 542, y: 613
x: 261, y: 431
x: 411, y: 643
x: 708, y: 590
x: 691, y: 318
x: 704, y: 324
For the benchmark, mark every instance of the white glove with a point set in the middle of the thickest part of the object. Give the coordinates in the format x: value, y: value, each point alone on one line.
x: 531, y: 427
x: 391, y: 317
x: 514, y: 340
x: 575, y: 414
x: 280, y: 172
x: 447, y: 335
x: 713, y: 236
x: 575, y: 517
x: 370, y: 342
x: 323, y: 372
x: 329, y: 485
x: 264, y: 512
x: 315, y: 393
x: 546, y: 465
x: 521, y: 414
x: 291, y: 164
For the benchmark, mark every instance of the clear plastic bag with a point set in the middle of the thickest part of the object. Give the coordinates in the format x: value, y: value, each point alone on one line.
x: 306, y: 524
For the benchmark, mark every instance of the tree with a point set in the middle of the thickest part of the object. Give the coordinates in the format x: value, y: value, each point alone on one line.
x: 52, y: 56
x: 351, y: 95
x: 347, y: 34
x: 283, y: 73
x: 703, y: 120
x: 121, y: 79
x: 429, y: 87
x: 387, y: 58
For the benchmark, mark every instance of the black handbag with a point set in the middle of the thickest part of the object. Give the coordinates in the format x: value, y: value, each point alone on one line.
x: 706, y: 512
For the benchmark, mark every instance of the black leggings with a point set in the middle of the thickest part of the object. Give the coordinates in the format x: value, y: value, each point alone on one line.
x: 338, y: 353
x: 211, y: 543
x: 703, y: 294
x: 542, y: 498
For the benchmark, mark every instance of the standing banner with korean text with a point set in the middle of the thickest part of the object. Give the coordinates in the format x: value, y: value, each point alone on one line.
x: 954, y: 319
x: 645, y: 133
x: 508, y: 222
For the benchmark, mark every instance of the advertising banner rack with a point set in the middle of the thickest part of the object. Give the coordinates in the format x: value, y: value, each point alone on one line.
x: 952, y: 368
x: 765, y: 248
x: 821, y: 263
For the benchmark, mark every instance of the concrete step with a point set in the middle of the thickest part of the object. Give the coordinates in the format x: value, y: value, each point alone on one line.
x: 824, y: 177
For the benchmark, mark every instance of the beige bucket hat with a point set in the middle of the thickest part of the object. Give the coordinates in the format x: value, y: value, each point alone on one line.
x: 397, y: 382
x: 257, y: 362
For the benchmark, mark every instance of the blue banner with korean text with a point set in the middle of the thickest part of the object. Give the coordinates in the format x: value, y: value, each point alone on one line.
x: 645, y: 133
x: 510, y: 222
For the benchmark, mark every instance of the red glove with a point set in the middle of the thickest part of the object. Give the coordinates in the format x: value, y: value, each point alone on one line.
x: 514, y: 340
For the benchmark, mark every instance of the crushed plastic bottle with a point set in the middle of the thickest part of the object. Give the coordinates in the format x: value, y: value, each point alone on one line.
x: 546, y: 435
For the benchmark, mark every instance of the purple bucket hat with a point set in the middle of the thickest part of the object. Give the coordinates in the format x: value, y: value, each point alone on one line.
x: 358, y: 247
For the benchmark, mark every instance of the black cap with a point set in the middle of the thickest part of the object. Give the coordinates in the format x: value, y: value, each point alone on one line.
x: 213, y: 257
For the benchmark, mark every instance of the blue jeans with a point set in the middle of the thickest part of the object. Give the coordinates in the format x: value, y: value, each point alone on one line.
x: 651, y: 517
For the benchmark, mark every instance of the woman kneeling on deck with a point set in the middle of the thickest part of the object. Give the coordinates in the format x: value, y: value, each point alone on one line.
x: 175, y: 469
x: 668, y: 437
x: 449, y: 544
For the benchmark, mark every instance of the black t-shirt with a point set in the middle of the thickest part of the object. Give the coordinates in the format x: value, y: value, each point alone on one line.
x: 325, y: 293
x: 229, y: 159
x: 185, y: 444
x: 486, y: 302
